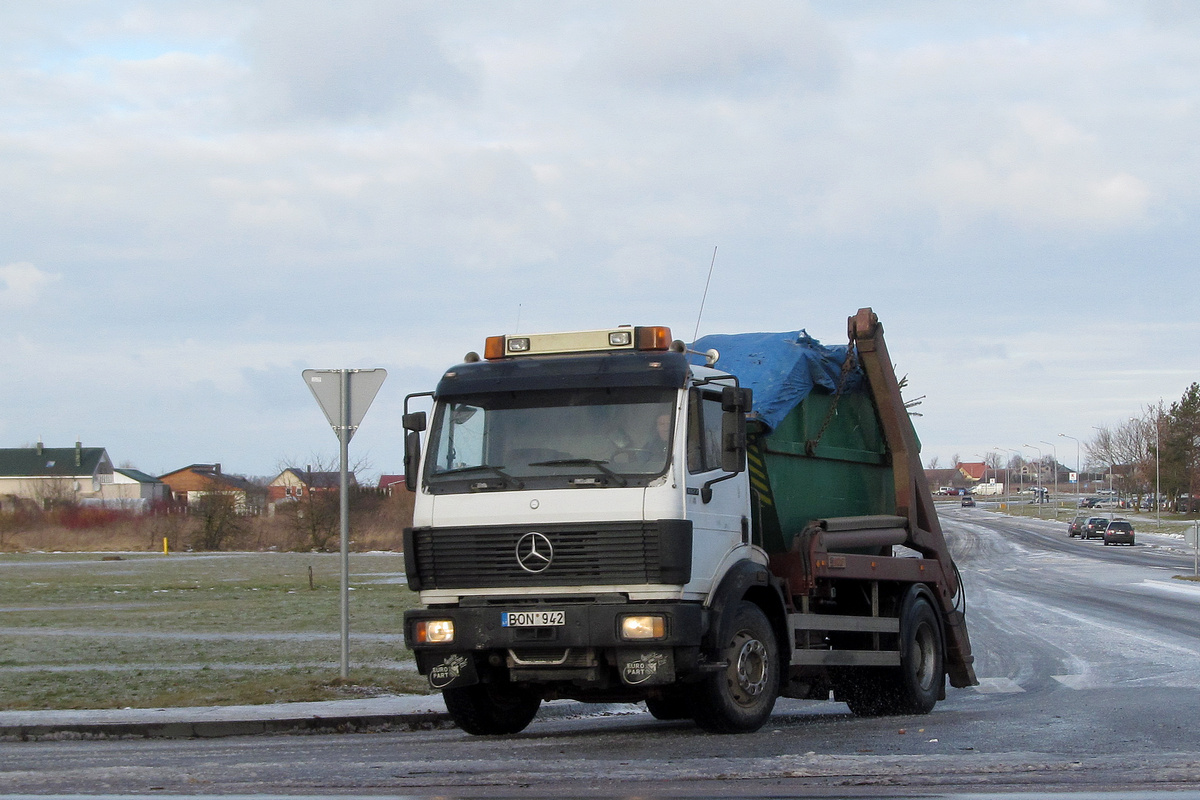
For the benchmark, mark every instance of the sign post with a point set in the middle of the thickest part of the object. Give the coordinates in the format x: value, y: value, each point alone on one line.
x: 344, y: 395
x: 1192, y: 537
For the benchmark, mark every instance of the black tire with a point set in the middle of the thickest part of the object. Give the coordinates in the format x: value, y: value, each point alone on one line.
x: 922, y: 671
x: 488, y: 709
x: 670, y: 705
x: 740, y: 697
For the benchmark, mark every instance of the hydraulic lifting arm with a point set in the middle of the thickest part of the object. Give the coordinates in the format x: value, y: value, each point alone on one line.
x: 913, y: 501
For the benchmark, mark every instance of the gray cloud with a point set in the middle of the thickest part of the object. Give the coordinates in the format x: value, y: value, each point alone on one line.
x: 347, y: 61
x: 233, y: 190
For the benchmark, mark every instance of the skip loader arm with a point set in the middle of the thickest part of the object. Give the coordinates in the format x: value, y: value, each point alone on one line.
x: 913, y: 501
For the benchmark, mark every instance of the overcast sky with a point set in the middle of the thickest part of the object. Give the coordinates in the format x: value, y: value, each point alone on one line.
x: 198, y: 200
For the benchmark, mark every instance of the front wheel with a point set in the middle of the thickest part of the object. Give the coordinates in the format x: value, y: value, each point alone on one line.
x: 670, y: 705
x: 740, y: 697
x: 487, y: 709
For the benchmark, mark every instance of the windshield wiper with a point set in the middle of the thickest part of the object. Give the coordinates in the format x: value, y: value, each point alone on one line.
x: 509, y: 480
x: 577, y: 462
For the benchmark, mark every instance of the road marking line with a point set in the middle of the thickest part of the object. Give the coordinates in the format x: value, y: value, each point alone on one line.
x: 1075, y: 681
x: 998, y: 686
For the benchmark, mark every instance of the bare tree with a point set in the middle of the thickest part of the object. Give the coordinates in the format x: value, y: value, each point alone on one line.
x: 1122, y: 451
x: 315, y: 513
x: 52, y: 493
x: 220, y: 519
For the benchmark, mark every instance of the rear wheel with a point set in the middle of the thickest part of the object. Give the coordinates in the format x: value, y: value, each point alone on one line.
x: 492, y: 708
x: 922, y: 673
x: 740, y: 697
x: 911, y: 688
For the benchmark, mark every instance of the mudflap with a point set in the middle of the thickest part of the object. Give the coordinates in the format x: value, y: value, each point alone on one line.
x: 646, y: 667
x: 449, y: 670
x: 959, y: 660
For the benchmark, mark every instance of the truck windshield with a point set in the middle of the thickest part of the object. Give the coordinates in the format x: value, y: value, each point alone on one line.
x: 540, y: 439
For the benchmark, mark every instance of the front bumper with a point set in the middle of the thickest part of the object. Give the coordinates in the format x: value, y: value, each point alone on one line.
x: 586, y: 648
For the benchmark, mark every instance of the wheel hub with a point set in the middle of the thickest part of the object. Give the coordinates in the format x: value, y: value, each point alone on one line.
x: 752, y: 668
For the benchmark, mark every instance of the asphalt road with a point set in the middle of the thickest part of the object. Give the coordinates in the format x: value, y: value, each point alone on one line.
x: 1089, y: 659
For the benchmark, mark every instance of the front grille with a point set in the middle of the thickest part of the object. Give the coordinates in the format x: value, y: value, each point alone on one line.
x: 608, y: 554
x: 552, y: 657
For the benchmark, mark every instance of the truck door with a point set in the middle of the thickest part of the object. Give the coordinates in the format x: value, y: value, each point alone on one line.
x: 718, y: 525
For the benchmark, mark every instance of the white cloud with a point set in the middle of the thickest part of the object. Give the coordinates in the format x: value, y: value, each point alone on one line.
x: 346, y: 62
x: 243, y: 182
x: 22, y: 284
x: 1040, y: 172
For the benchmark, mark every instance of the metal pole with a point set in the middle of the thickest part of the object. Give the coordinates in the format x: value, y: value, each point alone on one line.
x: 1054, y: 450
x: 985, y: 466
x: 344, y: 485
x: 1039, y: 476
x: 1157, y: 485
x: 1008, y: 479
x: 1078, y: 474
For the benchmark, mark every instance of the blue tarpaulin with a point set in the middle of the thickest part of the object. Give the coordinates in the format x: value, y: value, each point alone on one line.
x: 781, y: 368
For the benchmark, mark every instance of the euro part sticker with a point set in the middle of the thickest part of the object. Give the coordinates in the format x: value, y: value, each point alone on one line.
x: 454, y: 669
x: 647, y: 667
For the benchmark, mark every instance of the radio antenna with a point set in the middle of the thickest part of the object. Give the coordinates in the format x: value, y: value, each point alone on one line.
x: 705, y: 296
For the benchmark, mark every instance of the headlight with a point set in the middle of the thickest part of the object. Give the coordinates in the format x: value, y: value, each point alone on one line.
x: 435, y: 631
x: 645, y: 626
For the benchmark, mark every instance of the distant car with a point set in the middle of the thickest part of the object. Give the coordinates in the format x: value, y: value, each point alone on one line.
x: 1118, y: 531
x: 1094, y: 528
x: 968, y: 501
x: 1075, y: 527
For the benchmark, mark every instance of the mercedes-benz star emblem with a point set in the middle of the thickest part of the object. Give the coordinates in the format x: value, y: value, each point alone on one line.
x: 534, y: 552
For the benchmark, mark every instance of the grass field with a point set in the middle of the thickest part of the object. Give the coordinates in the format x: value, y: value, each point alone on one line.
x: 86, y: 630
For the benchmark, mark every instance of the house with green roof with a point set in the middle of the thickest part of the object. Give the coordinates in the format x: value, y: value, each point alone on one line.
x: 134, y: 489
x: 54, y: 475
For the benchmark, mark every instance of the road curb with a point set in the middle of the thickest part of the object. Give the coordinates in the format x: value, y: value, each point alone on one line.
x: 395, y: 713
x: 211, y: 729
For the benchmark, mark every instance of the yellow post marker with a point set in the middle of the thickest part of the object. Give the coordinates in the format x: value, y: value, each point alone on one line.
x: 164, y: 545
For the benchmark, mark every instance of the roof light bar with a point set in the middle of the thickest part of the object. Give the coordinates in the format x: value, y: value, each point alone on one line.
x: 598, y: 341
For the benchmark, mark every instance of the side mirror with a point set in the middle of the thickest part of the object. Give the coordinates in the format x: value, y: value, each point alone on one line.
x: 733, y: 441
x: 735, y: 402
x: 414, y: 422
x: 735, y: 398
x: 412, y: 456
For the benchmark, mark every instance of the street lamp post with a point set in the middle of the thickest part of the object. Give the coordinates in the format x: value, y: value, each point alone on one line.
x: 1054, y: 450
x: 1157, y: 486
x: 1007, y: 478
x: 1078, y: 476
x: 1038, y: 488
x: 983, y: 458
x: 1112, y: 496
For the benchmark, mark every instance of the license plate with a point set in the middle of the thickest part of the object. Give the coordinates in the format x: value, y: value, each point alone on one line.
x: 532, y: 619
